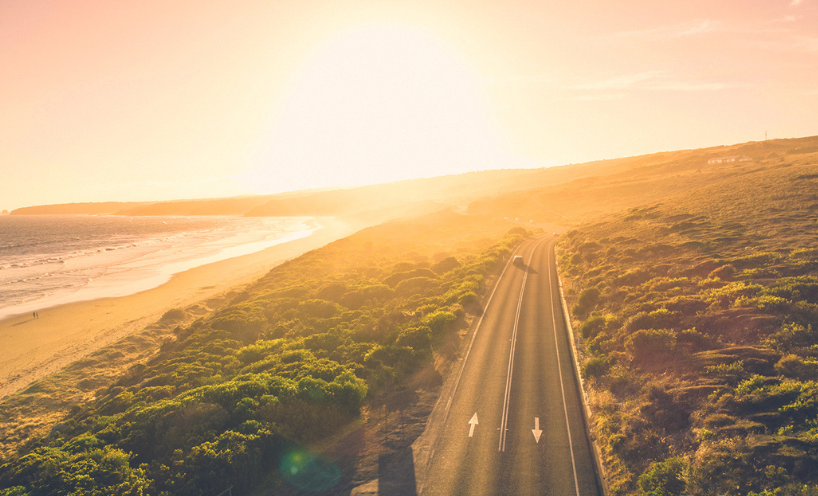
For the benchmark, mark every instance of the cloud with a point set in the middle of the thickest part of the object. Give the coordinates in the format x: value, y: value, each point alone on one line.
x: 654, y: 81
x: 621, y: 82
x: 796, y: 3
x: 520, y: 79
x: 792, y: 43
x: 695, y: 86
x: 618, y: 87
x: 682, y: 30
x: 807, y: 43
x: 602, y: 97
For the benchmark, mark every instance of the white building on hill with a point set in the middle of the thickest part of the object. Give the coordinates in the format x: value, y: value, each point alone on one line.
x: 732, y: 158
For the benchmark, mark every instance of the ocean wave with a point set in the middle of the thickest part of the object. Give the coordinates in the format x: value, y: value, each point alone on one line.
x: 30, y: 269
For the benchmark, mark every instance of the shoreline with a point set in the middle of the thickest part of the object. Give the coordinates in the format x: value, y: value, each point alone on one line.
x: 35, y: 348
x: 152, y: 268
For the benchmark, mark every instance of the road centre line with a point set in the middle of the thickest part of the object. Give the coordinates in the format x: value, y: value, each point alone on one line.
x: 510, y: 373
x: 471, y: 343
x: 562, y: 385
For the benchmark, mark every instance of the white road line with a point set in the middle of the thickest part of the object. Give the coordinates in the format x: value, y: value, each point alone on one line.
x: 510, y: 373
x: 468, y: 350
x: 559, y: 369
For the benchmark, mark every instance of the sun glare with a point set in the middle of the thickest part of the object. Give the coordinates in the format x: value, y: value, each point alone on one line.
x: 377, y: 104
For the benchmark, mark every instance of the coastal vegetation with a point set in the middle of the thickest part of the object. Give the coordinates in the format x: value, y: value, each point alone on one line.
x: 692, y: 287
x: 697, y: 318
x: 238, y: 396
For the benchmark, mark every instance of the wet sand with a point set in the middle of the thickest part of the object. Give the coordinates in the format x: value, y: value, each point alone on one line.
x: 31, y: 349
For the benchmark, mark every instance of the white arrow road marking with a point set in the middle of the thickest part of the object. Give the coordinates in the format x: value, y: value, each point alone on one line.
x: 536, y: 430
x: 472, y: 423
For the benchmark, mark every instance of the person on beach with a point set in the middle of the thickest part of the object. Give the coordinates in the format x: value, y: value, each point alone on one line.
x: 33, y: 315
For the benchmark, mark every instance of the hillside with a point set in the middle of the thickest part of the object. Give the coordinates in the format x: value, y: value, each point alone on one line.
x: 564, y: 194
x: 219, y: 206
x: 697, y: 315
x: 290, y: 361
x: 368, y: 204
x: 91, y: 208
x: 610, y: 186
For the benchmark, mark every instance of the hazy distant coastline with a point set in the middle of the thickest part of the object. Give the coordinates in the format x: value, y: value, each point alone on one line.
x: 368, y: 204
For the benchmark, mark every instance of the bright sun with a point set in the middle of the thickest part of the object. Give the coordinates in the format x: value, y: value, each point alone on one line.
x: 377, y: 104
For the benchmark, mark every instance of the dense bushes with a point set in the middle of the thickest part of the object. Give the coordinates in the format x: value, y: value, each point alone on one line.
x: 290, y: 360
x: 587, y: 301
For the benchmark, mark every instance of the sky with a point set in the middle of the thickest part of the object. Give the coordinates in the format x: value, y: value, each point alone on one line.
x: 171, y: 99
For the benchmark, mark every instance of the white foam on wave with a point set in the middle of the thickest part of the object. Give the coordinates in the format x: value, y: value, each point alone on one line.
x: 120, y: 270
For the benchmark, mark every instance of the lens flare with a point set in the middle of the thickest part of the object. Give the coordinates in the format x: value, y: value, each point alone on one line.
x: 309, y: 472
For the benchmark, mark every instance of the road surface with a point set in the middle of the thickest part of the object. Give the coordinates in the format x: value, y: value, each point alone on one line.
x: 514, y: 425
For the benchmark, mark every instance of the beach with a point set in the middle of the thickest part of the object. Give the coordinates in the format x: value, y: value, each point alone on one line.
x: 35, y: 348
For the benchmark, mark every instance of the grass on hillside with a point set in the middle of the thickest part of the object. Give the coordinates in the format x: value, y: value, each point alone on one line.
x: 698, y: 319
x: 579, y: 193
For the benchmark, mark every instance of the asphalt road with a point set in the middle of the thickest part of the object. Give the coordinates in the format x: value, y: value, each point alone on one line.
x: 518, y: 379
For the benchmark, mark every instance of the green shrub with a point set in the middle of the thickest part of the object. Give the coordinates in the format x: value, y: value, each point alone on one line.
x: 633, y: 277
x: 600, y: 344
x: 316, y: 308
x: 595, y: 367
x: 259, y: 350
x: 173, y: 315
x: 419, y: 338
x: 664, y: 478
x: 332, y: 291
x: 797, y: 367
x: 763, y: 302
x: 657, y: 319
x: 648, y: 345
x: 664, y: 412
x: 591, y: 327
x: 394, y: 279
x: 791, y: 337
x: 754, y: 383
x: 372, y: 293
x: 50, y: 470
x: 586, y: 302
x: 730, y: 372
x: 692, y: 337
x: 348, y: 391
x: 468, y: 300
x: 726, y: 295
x: 415, y: 285
x: 244, y: 324
x: 445, y: 265
x: 439, y: 320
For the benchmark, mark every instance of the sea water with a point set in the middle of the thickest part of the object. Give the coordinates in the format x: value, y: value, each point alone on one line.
x: 54, y: 259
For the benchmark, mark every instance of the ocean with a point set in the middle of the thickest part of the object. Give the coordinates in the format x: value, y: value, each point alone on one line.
x: 46, y: 260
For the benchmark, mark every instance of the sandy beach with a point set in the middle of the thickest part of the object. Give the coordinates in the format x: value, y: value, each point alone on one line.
x: 31, y: 349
